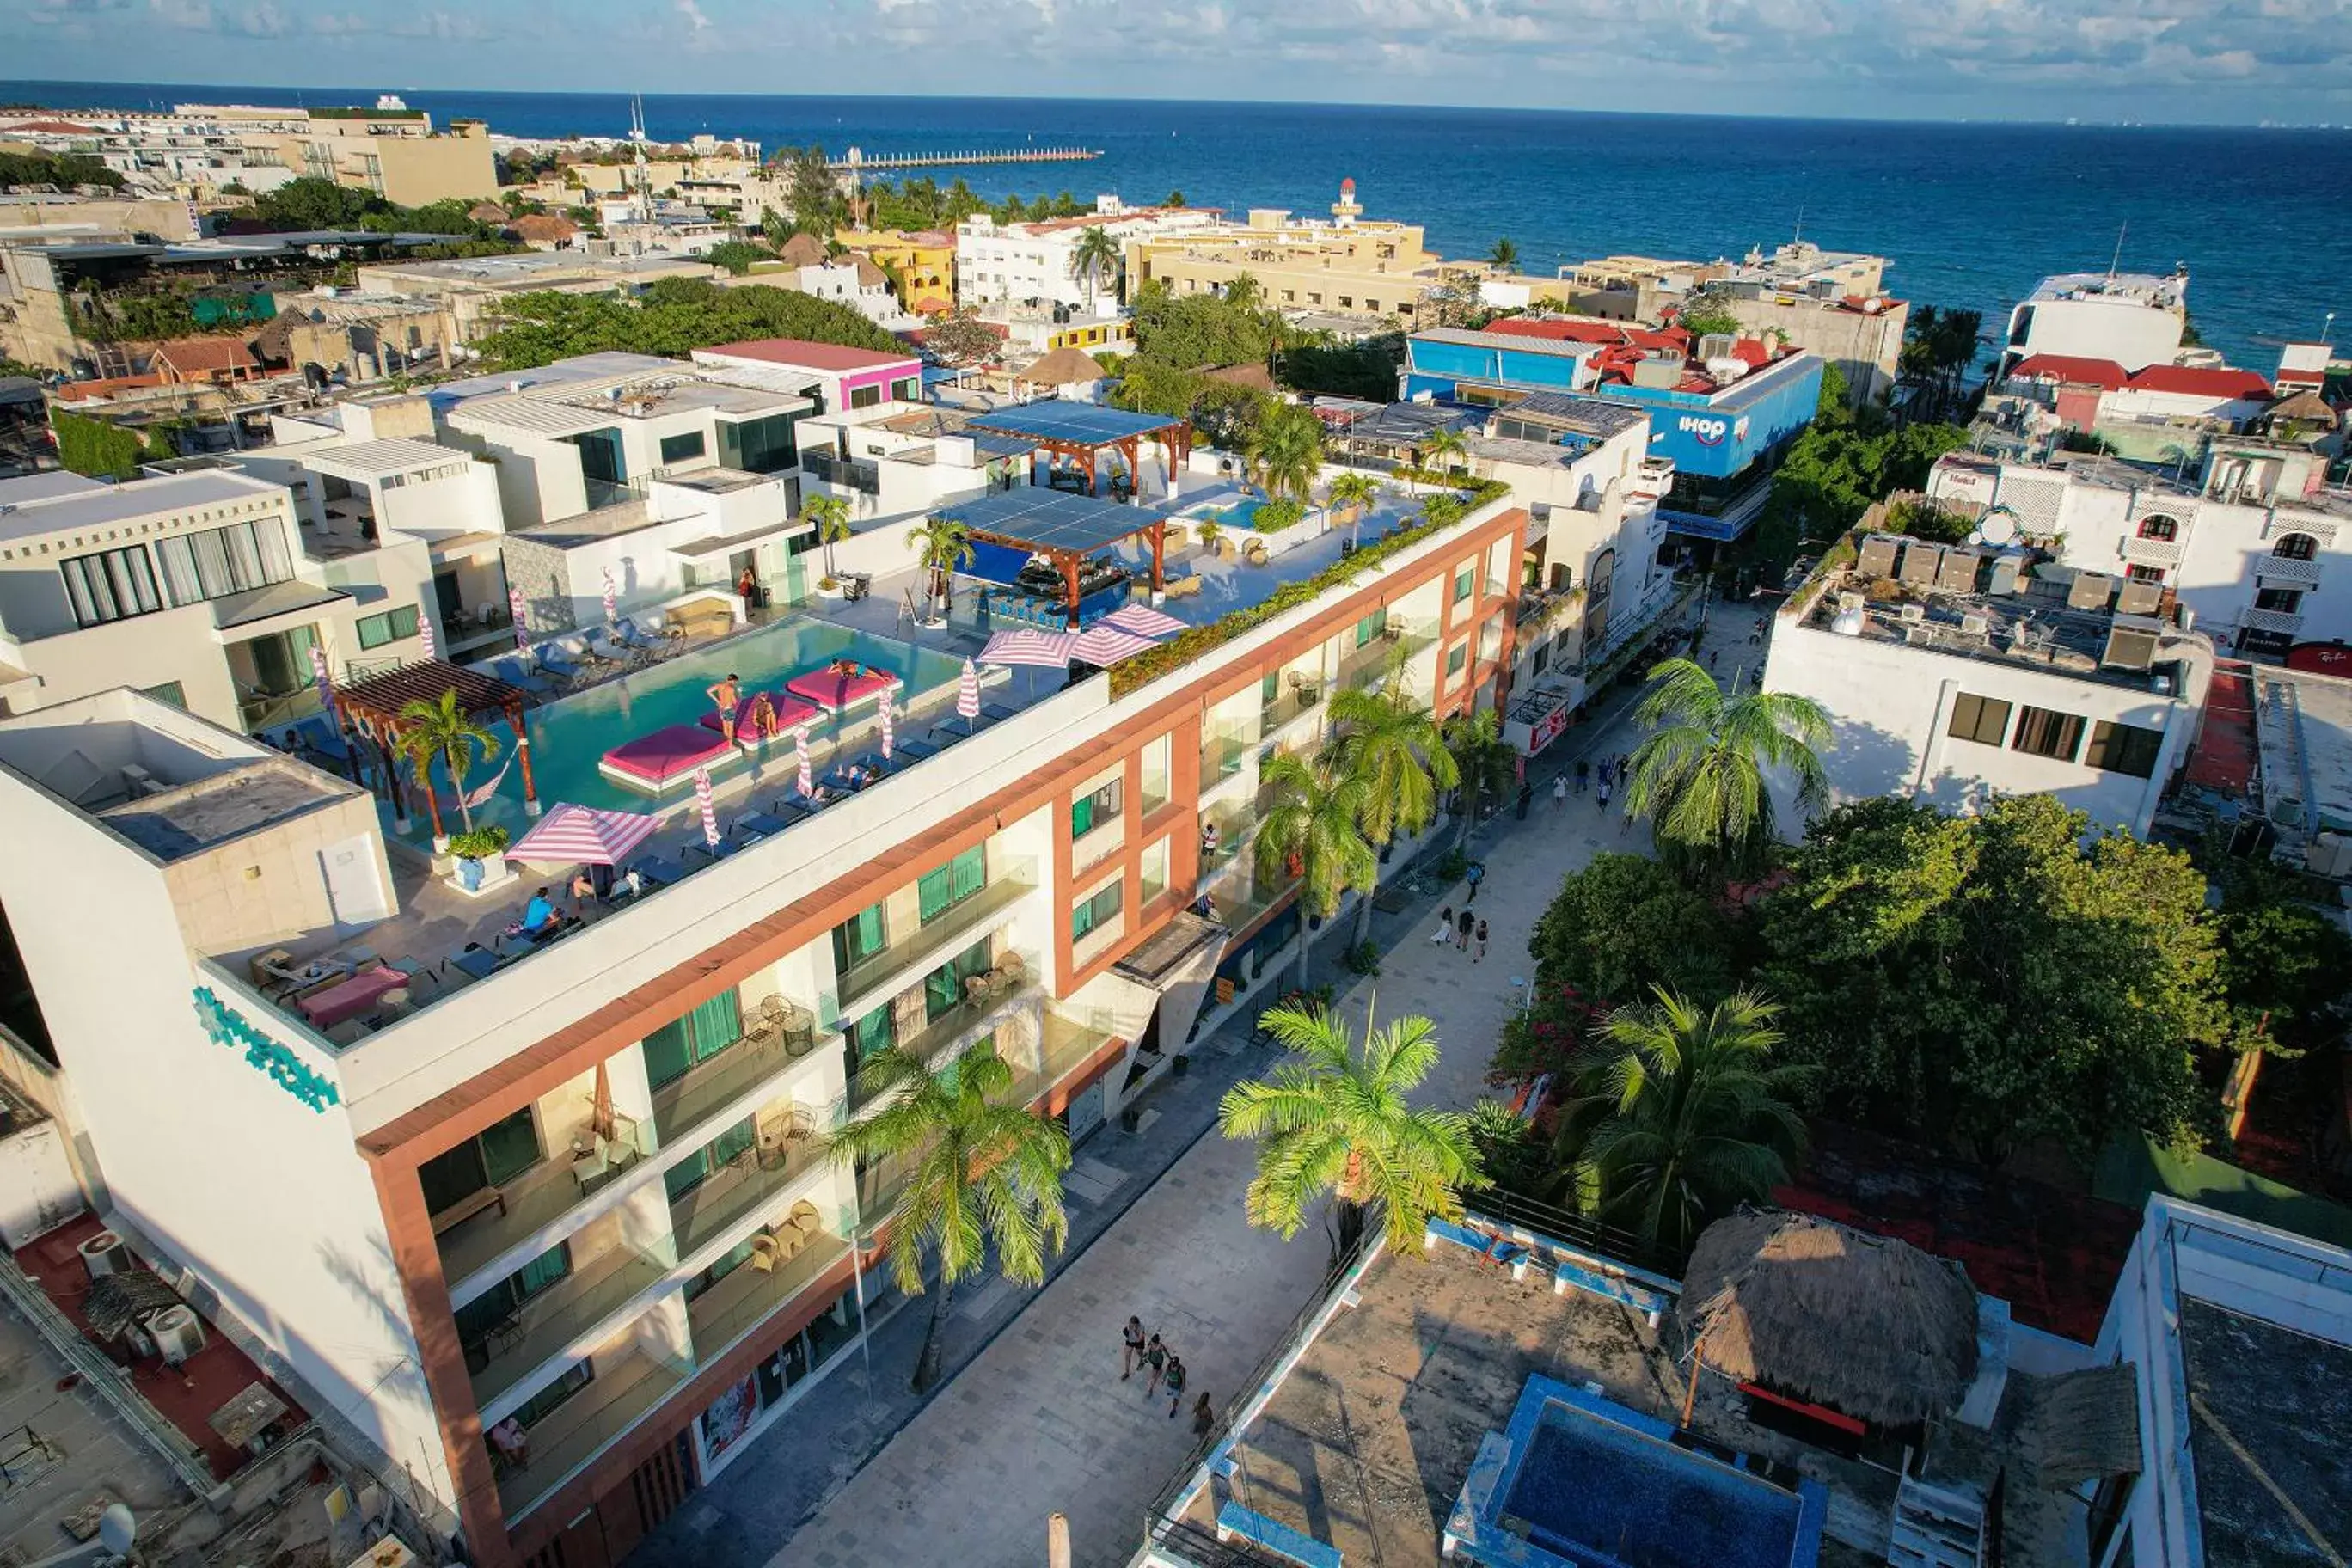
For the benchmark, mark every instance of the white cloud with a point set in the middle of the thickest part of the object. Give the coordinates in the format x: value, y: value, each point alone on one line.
x: 264, y: 20
x: 696, y: 24
x: 190, y: 15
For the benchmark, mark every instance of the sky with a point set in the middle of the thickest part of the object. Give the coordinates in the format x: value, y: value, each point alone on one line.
x: 2231, y: 61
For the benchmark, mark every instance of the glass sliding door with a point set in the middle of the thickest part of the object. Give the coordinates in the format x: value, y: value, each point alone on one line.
x: 698, y: 1037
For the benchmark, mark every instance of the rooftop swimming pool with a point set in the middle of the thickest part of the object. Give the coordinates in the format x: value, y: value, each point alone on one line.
x: 571, y: 735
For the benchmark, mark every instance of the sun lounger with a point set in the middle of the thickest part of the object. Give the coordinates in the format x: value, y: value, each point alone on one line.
x: 627, y: 633
x: 658, y: 870
x: 838, y: 692
x: 558, y: 663
x: 653, y: 764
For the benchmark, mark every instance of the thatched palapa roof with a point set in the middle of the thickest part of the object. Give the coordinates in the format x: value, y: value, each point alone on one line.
x: 2081, y: 1426
x: 1872, y: 1328
x: 1064, y: 366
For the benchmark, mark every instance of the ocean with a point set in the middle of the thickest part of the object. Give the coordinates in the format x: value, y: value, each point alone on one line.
x: 1971, y: 215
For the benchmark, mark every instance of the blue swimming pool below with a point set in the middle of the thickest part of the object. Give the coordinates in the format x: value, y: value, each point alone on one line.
x: 570, y: 735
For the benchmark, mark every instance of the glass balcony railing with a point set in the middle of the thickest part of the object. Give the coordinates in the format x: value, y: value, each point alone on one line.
x: 1221, y: 756
x: 749, y: 1182
x: 1301, y: 696
x: 1242, y: 898
x: 562, y: 1442
x: 523, y: 1205
x: 559, y: 1316
x: 945, y: 935
x: 723, y: 1314
x: 716, y: 1082
x: 1364, y: 667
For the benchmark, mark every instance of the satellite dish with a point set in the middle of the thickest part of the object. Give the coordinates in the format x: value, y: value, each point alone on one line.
x: 1997, y: 527
x: 118, y: 1531
x: 1976, y: 536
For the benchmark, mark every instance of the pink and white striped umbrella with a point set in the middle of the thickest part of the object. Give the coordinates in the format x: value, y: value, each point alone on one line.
x: 1144, y: 621
x: 1050, y: 649
x: 521, y: 621
x: 1105, y: 645
x: 968, y: 692
x: 702, y: 799
x: 886, y: 737
x: 319, y: 678
x: 424, y: 631
x: 801, y: 756
x: 576, y: 836
x: 611, y: 598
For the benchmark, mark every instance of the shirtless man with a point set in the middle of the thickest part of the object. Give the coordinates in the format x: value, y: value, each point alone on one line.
x: 728, y: 695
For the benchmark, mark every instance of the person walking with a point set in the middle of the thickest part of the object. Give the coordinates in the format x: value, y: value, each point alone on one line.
x: 1175, y: 1384
x: 1560, y: 794
x: 1473, y: 875
x: 1604, y: 797
x: 1203, y: 1417
x: 1444, y: 932
x: 1583, y: 774
x: 1131, y: 1338
x: 1463, y: 924
x: 1481, y: 943
x: 1526, y: 793
x: 1156, y: 1358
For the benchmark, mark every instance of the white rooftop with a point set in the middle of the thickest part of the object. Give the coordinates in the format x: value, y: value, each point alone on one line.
x: 103, y: 504
x: 378, y: 460
x: 2135, y: 288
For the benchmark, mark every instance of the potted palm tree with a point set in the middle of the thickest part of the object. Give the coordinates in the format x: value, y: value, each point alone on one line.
x: 441, y: 728
x: 1285, y: 451
x: 830, y: 514
x: 1353, y: 495
x: 940, y: 546
x: 982, y: 1175
x: 1336, y: 1117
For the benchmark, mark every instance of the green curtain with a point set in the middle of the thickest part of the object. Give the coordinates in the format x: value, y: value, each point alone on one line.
x: 943, y: 986
x: 1372, y: 626
x: 944, y: 887
x: 860, y: 937
x: 871, y: 1033
x: 509, y: 1148
x: 698, y: 1037
x: 543, y: 1270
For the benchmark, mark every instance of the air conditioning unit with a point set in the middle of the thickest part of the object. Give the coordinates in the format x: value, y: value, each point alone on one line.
x: 1715, y: 345
x: 2091, y: 591
x: 1918, y: 634
x: 178, y: 1333
x: 2131, y: 642
x: 1850, y: 600
x: 1974, y: 625
x: 106, y: 1253
x: 1876, y: 558
x: 1957, y: 573
x: 1912, y: 615
x: 2138, y: 598
x: 1921, y: 562
x: 137, y: 783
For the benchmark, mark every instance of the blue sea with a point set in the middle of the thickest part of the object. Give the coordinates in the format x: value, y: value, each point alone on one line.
x: 1971, y: 215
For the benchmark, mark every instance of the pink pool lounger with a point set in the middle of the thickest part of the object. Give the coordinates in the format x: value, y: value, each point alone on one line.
x: 654, y: 763
x: 833, y: 692
x: 784, y: 714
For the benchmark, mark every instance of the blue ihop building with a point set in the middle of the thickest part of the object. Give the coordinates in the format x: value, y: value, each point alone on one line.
x: 1723, y: 441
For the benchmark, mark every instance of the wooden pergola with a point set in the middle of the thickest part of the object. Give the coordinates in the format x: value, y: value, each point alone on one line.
x: 1068, y: 529
x: 375, y: 708
x: 1081, y: 432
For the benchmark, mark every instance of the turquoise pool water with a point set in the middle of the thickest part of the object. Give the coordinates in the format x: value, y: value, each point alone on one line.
x: 568, y: 736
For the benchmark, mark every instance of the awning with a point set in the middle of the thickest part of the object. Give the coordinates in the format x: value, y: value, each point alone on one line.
x: 266, y: 603
x: 728, y: 545
x: 468, y: 546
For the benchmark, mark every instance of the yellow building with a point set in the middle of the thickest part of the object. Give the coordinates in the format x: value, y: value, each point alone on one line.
x: 1345, y: 264
x: 923, y: 262
x: 395, y: 153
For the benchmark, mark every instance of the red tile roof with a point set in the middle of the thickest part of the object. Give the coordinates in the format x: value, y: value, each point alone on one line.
x: 803, y: 353
x: 2104, y: 372
x: 2196, y: 381
x: 1608, y: 335
x: 186, y: 354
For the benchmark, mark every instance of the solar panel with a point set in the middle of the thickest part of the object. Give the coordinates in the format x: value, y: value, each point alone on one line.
x: 1051, y: 520
x: 1080, y: 424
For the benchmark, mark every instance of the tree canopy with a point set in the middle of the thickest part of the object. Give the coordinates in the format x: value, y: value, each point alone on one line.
x: 672, y: 317
x: 63, y: 170
x: 1844, y: 461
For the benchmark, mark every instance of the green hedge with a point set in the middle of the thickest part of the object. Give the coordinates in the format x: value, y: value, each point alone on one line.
x: 96, y: 447
x: 1439, y: 513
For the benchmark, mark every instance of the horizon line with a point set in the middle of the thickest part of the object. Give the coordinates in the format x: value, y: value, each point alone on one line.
x: 2074, y: 123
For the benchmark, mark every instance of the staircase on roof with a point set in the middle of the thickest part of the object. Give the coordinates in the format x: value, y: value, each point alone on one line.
x: 1937, y: 1527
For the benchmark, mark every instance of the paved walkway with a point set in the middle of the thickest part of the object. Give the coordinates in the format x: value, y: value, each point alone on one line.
x: 1034, y: 1417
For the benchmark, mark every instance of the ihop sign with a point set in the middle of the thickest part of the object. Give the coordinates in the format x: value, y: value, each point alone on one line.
x: 1710, y: 430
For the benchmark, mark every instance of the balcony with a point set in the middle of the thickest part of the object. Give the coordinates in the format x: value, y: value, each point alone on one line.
x: 751, y: 1181
x: 564, y: 1441
x: 2152, y: 552
x: 849, y: 473
x: 1301, y: 696
x: 1241, y: 900
x: 2284, y: 623
x: 716, y: 1082
x: 1363, y: 667
x: 748, y: 1297
x: 563, y: 1314
x: 930, y: 944
x: 532, y: 1200
x: 2281, y: 569
x: 1221, y: 756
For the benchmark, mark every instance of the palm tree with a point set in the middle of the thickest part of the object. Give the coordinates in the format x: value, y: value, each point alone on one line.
x: 1335, y: 1120
x: 1700, y: 776
x: 1359, y: 491
x: 1677, y: 1116
x: 1386, y: 739
x: 1315, y: 824
x: 940, y: 546
x: 830, y: 516
x: 1484, y: 763
x: 1244, y: 291
x: 1286, y: 451
x: 1442, y: 446
x: 980, y: 1173
x: 1094, y: 259
x: 1505, y: 257
x: 438, y: 727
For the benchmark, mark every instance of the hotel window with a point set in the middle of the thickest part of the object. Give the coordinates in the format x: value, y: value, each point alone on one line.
x: 2296, y: 547
x: 906, y: 389
x: 2047, y: 734
x: 543, y: 1404
x: 2136, y: 573
x: 480, y: 1317
x: 1098, y: 809
x: 710, y: 1159
x: 1984, y: 719
x: 942, y: 887
x: 112, y: 585
x: 681, y: 448
x: 1347, y: 301
x: 859, y: 938
x: 870, y: 1034
x: 2279, y: 601
x: 1097, y: 911
x: 391, y: 627
x: 1463, y: 580
x: 1372, y: 304
x: 1155, y: 775
x: 170, y: 692
x: 865, y: 397
x: 2161, y: 528
x: 492, y: 1157
x: 943, y: 989
x: 763, y: 445
x: 1154, y: 868
x: 1456, y: 658
x: 702, y: 1034
x: 1369, y: 629
x: 2124, y: 749
x: 224, y: 561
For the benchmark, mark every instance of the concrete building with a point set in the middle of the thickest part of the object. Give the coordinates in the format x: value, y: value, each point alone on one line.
x: 2247, y: 542
x: 1347, y: 264
x: 474, y: 288
x: 334, y: 334
x: 1032, y: 263
x: 31, y: 217
x: 2134, y: 318
x: 551, y: 1236
x: 391, y: 151
x: 831, y: 376
x: 893, y: 464
x: 206, y: 587
x: 853, y: 281
x: 1950, y: 676
x: 1720, y: 412
x: 923, y: 262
